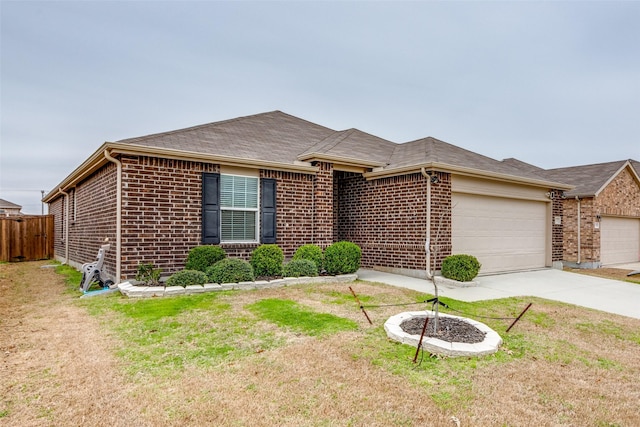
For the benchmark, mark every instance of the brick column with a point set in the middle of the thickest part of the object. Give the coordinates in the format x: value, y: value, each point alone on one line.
x: 323, y: 205
x: 557, y: 228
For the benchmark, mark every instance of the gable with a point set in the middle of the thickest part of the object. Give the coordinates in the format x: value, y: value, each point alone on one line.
x: 621, y: 196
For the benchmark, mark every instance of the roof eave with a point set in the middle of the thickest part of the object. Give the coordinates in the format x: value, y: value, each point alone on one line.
x: 461, y: 170
x: 626, y: 164
x: 97, y: 159
x: 348, y: 161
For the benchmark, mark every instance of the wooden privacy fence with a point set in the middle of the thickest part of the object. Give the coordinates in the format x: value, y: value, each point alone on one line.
x: 26, y: 238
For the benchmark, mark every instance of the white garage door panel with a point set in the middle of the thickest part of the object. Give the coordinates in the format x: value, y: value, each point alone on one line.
x: 619, y: 240
x: 504, y: 234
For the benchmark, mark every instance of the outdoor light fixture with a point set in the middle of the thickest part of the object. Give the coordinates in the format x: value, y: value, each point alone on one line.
x: 435, y: 179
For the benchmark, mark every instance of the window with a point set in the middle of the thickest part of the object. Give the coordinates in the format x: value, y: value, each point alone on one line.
x: 238, y: 208
x: 231, y: 212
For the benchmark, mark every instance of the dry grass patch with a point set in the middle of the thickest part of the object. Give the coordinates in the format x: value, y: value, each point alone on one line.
x: 607, y: 273
x: 213, y: 359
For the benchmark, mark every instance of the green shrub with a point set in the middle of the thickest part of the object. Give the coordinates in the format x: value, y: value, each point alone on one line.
x: 463, y: 268
x: 148, y: 274
x: 300, y: 267
x: 202, y: 257
x: 310, y: 252
x: 342, y: 258
x: 267, y: 260
x: 186, y: 278
x: 230, y: 270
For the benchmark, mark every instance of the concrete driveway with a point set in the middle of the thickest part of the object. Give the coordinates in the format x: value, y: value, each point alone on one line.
x: 612, y: 296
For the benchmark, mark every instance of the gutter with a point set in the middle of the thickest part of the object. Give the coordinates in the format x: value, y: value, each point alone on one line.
x: 465, y: 171
x: 97, y: 160
x: 107, y: 156
x: 579, y: 226
x: 66, y: 224
x: 427, y: 243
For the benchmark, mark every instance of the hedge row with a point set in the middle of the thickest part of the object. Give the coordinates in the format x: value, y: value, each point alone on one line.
x: 210, y: 263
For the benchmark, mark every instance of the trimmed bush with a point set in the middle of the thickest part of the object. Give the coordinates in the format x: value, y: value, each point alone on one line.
x: 463, y: 268
x: 230, y: 270
x: 202, y: 257
x: 342, y: 258
x: 267, y: 260
x: 310, y: 252
x: 187, y: 278
x: 299, y: 268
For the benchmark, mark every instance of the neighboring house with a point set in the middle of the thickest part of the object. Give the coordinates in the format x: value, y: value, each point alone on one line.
x: 601, y: 214
x: 275, y: 178
x: 9, y: 209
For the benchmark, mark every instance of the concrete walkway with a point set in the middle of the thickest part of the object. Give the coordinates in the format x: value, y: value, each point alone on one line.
x: 612, y: 296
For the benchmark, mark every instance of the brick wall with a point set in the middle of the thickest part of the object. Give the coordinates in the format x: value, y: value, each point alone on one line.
x: 387, y: 218
x: 56, y: 208
x: 620, y: 198
x: 589, y: 236
x: 92, y: 211
x: 91, y: 218
x: 161, y: 212
x: 323, y: 201
x: 441, y: 219
x: 294, y: 203
x: 557, y: 243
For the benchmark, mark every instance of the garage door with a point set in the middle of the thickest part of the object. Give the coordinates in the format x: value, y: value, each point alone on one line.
x: 619, y: 240
x: 504, y: 234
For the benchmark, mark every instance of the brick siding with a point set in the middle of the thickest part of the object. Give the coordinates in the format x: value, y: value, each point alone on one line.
x: 294, y: 204
x: 161, y: 211
x: 387, y: 218
x: 323, y: 200
x: 161, y: 215
x: 92, y: 211
x: 557, y: 243
x: 56, y: 208
x: 620, y: 198
x: 589, y: 236
x: 91, y: 219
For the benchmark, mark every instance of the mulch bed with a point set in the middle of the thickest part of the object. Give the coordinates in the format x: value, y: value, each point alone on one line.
x: 449, y: 329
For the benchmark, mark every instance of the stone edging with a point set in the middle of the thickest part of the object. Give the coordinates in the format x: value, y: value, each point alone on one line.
x: 490, y: 345
x: 132, y: 291
x: 454, y: 283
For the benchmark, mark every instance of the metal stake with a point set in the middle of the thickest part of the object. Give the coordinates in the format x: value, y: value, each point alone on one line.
x: 361, y: 306
x: 424, y: 329
x: 518, y: 318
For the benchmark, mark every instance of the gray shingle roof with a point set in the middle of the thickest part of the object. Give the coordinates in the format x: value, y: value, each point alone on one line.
x: 431, y: 150
x: 279, y: 137
x: 5, y: 204
x: 273, y: 136
x: 353, y: 144
x: 587, y: 179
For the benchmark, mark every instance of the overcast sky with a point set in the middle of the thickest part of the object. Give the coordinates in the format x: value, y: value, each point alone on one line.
x: 550, y: 83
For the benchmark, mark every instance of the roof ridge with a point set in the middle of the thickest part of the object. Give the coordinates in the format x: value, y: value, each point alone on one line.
x: 615, y: 162
x: 216, y: 123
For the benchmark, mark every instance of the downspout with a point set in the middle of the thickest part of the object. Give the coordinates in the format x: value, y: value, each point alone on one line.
x: 66, y: 225
x: 118, y: 214
x: 427, y: 243
x: 579, y: 221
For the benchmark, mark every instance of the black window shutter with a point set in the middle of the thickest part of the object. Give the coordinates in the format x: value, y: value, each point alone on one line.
x: 268, y: 210
x: 211, y: 208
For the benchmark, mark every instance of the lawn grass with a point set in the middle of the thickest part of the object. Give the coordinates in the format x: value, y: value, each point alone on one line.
x: 288, y: 314
x: 276, y: 334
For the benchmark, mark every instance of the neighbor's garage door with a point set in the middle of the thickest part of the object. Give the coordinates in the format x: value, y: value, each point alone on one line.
x: 619, y: 240
x: 504, y: 234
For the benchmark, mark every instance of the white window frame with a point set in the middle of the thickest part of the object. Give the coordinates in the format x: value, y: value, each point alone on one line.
x: 256, y: 237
